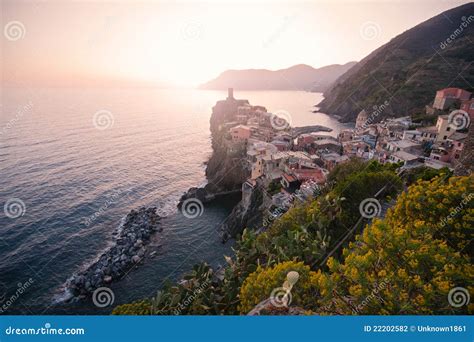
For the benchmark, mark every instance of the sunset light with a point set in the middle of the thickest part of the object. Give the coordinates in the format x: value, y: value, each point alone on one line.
x: 171, y: 169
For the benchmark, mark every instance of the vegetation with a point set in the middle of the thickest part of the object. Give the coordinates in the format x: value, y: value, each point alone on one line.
x: 260, y: 284
x: 405, y: 263
x: 274, y: 187
x: 424, y: 173
x: 408, y: 262
x: 406, y: 71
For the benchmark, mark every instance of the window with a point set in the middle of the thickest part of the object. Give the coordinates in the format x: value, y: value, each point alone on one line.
x: 448, y: 129
x: 445, y: 137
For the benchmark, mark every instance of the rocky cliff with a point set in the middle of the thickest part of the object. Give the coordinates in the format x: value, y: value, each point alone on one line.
x: 226, y: 169
x: 248, y: 213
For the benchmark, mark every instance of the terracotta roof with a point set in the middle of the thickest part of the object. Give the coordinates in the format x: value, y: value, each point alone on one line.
x: 314, y: 174
x: 289, y: 178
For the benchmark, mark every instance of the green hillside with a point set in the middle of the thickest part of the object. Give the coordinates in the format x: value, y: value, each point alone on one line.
x: 409, y: 69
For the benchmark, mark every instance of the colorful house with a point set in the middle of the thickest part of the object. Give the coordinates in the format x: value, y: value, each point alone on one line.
x: 446, y: 97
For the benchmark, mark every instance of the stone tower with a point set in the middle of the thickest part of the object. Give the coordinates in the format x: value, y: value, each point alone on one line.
x: 230, y: 94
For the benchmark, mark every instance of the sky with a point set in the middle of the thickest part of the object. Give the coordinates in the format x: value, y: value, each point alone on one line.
x: 186, y: 43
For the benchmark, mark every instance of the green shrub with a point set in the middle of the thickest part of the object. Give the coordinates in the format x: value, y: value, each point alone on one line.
x: 142, y: 307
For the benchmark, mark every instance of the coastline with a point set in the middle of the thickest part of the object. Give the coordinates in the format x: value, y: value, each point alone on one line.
x: 228, y: 170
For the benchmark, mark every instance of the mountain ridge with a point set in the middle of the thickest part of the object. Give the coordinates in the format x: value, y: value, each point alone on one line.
x: 299, y: 76
x: 408, y: 69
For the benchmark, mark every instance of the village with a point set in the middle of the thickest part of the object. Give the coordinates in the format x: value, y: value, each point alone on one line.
x: 290, y: 165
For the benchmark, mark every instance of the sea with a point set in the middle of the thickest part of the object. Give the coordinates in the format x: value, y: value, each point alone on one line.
x: 74, y: 162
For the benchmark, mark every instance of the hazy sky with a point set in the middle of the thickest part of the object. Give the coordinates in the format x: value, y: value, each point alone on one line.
x: 189, y: 42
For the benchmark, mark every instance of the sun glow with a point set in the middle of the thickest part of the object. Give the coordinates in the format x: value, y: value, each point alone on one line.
x: 186, y: 43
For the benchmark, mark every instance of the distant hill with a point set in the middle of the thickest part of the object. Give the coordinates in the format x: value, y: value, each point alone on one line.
x: 301, y: 77
x: 409, y: 69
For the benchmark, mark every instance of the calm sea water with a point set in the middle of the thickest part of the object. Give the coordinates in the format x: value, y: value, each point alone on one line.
x: 61, y: 165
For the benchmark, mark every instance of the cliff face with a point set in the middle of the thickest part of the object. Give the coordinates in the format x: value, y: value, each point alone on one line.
x: 248, y: 213
x: 226, y: 168
x: 227, y: 171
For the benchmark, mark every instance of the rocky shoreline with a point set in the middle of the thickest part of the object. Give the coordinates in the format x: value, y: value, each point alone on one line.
x: 129, y: 249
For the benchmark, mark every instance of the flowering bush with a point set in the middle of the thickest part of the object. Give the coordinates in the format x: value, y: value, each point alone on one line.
x: 259, y: 285
x: 408, y: 262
